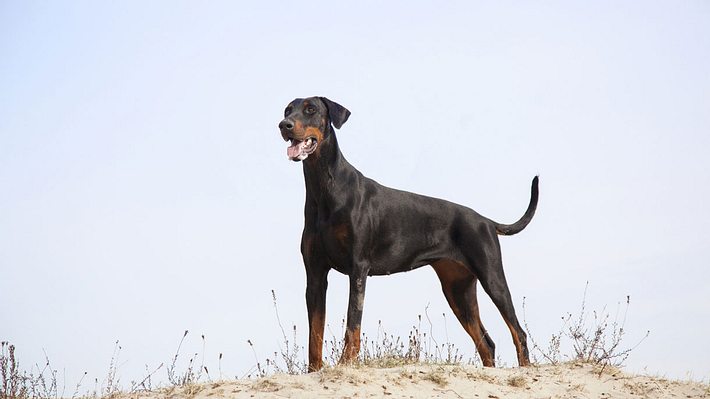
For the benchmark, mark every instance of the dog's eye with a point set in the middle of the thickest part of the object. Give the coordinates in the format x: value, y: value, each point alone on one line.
x: 287, y: 111
x: 310, y: 110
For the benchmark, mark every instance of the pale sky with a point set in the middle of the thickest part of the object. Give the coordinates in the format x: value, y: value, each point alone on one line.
x: 146, y: 190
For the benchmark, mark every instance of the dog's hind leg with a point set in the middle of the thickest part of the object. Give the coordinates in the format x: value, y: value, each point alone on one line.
x: 497, y: 289
x: 482, y: 252
x: 489, y: 271
x: 459, y: 286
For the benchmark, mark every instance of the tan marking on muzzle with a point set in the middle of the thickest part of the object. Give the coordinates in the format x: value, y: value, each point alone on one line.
x: 301, y: 132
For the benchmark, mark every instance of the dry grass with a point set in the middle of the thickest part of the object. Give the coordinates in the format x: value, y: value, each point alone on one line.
x: 517, y: 381
x: 348, y: 374
x: 266, y: 385
x: 384, y: 350
x: 596, y: 339
x: 39, y: 382
x: 481, y: 375
x: 437, y: 377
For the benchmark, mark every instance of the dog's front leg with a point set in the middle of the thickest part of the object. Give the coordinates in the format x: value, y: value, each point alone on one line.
x: 316, y: 286
x: 355, y: 304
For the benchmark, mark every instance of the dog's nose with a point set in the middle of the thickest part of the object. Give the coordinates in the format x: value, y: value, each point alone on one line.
x: 286, y: 124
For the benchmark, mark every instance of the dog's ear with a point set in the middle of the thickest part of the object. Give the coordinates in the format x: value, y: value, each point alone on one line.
x: 336, y: 112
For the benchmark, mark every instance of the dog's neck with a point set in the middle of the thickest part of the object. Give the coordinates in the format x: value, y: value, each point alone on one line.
x: 327, y: 171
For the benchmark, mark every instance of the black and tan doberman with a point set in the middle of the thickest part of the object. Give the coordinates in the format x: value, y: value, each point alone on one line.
x: 361, y: 228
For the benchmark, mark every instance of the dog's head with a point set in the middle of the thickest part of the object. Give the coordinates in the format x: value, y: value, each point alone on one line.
x: 308, y: 122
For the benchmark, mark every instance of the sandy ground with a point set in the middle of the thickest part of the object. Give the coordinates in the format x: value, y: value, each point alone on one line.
x: 433, y: 381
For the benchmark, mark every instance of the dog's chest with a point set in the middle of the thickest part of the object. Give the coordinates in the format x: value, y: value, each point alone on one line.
x: 335, y: 235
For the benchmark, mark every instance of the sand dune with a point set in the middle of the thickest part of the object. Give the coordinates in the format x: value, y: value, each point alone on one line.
x: 568, y: 380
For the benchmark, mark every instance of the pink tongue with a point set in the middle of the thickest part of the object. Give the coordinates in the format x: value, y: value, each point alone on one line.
x: 295, y: 150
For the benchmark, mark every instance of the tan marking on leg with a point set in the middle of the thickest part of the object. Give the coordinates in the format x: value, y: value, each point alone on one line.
x: 352, y: 347
x: 315, y: 342
x: 522, y: 361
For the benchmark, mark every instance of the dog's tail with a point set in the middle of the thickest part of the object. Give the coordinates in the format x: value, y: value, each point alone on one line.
x: 517, y: 227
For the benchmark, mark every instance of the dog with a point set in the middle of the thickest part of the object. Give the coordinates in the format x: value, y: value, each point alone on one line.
x: 361, y: 228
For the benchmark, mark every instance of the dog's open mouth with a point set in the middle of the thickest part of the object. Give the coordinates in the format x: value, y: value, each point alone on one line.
x: 300, y: 150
